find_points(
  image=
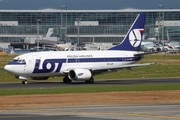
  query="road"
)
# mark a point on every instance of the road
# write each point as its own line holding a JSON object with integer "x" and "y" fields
{"x": 118, "y": 112}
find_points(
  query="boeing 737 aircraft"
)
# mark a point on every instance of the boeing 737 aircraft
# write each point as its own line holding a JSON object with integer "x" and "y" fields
{"x": 81, "y": 65}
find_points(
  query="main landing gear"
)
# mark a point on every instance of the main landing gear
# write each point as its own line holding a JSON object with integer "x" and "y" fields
{"x": 66, "y": 79}
{"x": 91, "y": 80}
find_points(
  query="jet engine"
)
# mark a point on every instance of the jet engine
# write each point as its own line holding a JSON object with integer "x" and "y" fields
{"x": 79, "y": 74}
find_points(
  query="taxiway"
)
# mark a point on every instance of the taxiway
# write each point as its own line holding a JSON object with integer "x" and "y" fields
{"x": 58, "y": 84}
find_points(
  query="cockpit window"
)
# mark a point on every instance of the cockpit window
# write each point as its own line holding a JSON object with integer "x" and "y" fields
{"x": 15, "y": 60}
{"x": 19, "y": 60}
{"x": 23, "y": 60}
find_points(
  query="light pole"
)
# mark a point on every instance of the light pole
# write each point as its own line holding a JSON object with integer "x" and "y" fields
{"x": 162, "y": 22}
{"x": 158, "y": 30}
{"x": 63, "y": 28}
{"x": 78, "y": 20}
{"x": 38, "y": 21}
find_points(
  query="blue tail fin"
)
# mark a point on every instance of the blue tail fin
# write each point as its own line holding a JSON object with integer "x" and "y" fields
{"x": 133, "y": 39}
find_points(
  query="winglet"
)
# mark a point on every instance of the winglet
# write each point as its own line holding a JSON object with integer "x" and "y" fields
{"x": 133, "y": 39}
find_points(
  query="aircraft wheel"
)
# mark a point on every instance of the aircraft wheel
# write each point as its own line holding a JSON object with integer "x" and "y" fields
{"x": 24, "y": 82}
{"x": 91, "y": 80}
{"x": 67, "y": 80}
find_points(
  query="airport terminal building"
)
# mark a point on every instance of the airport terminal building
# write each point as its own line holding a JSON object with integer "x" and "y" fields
{"x": 25, "y": 27}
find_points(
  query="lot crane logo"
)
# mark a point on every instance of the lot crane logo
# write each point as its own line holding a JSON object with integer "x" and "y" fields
{"x": 135, "y": 37}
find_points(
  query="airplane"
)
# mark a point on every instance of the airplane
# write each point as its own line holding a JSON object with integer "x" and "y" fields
{"x": 48, "y": 37}
{"x": 81, "y": 65}
{"x": 63, "y": 47}
{"x": 149, "y": 46}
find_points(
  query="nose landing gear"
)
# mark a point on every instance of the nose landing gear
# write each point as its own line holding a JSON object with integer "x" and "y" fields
{"x": 24, "y": 82}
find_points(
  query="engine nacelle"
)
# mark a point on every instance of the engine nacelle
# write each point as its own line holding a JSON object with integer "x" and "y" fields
{"x": 79, "y": 74}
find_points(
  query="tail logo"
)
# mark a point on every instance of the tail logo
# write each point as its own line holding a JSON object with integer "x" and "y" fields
{"x": 135, "y": 37}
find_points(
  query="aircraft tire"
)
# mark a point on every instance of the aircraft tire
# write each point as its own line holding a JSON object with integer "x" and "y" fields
{"x": 67, "y": 80}
{"x": 91, "y": 80}
{"x": 24, "y": 82}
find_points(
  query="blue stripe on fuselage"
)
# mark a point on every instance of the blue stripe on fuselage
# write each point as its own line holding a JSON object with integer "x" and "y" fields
{"x": 72, "y": 60}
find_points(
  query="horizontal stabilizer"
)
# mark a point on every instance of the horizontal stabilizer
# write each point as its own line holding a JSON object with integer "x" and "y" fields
{"x": 144, "y": 53}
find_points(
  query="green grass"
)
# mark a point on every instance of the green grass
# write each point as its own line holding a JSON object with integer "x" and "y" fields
{"x": 91, "y": 89}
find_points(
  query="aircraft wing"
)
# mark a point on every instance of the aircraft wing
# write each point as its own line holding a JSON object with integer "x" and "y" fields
{"x": 114, "y": 68}
{"x": 108, "y": 68}
{"x": 120, "y": 67}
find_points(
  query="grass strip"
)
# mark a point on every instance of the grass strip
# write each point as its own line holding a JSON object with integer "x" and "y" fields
{"x": 91, "y": 89}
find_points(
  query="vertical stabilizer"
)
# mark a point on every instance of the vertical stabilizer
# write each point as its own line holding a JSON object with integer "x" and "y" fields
{"x": 50, "y": 32}
{"x": 133, "y": 39}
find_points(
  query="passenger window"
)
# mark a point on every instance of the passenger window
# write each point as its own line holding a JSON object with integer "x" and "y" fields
{"x": 21, "y": 60}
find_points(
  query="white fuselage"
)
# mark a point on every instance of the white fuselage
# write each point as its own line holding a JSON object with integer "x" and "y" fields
{"x": 56, "y": 63}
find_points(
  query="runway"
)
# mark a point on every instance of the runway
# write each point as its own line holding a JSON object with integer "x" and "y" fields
{"x": 93, "y": 112}
{"x": 118, "y": 112}
{"x": 58, "y": 84}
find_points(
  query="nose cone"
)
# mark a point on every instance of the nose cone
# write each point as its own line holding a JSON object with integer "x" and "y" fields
{"x": 9, "y": 68}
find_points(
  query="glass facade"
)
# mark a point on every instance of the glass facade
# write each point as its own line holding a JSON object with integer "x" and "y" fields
{"x": 111, "y": 25}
